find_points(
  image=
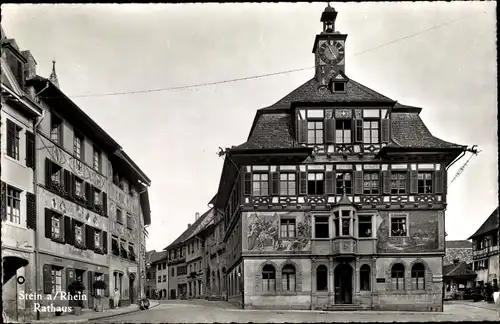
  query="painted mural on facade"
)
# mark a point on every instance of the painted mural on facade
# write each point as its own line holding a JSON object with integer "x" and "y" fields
{"x": 422, "y": 235}
{"x": 65, "y": 207}
{"x": 263, "y": 232}
{"x": 80, "y": 169}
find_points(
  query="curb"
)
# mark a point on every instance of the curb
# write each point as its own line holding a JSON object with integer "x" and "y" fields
{"x": 115, "y": 315}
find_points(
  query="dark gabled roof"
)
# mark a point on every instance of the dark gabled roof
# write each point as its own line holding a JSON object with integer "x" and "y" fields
{"x": 187, "y": 233}
{"x": 158, "y": 256}
{"x": 271, "y": 131}
{"x": 309, "y": 93}
{"x": 409, "y": 131}
{"x": 489, "y": 225}
{"x": 460, "y": 269}
{"x": 459, "y": 244}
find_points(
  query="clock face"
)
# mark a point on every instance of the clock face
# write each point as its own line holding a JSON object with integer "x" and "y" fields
{"x": 331, "y": 52}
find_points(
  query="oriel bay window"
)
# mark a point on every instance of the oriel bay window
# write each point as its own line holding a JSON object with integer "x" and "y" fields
{"x": 342, "y": 221}
{"x": 316, "y": 183}
{"x": 321, "y": 227}
{"x": 287, "y": 228}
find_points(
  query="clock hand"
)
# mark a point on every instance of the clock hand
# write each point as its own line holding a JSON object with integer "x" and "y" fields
{"x": 334, "y": 56}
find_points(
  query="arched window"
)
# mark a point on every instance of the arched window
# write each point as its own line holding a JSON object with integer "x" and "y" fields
{"x": 321, "y": 278}
{"x": 288, "y": 278}
{"x": 418, "y": 277}
{"x": 364, "y": 277}
{"x": 268, "y": 278}
{"x": 398, "y": 276}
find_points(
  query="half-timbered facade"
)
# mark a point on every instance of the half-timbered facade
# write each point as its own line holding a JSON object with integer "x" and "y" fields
{"x": 337, "y": 198}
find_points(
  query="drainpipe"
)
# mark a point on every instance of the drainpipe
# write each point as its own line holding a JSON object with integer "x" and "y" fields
{"x": 35, "y": 192}
{"x": 139, "y": 254}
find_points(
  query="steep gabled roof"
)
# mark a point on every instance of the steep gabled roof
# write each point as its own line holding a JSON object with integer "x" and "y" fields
{"x": 409, "y": 131}
{"x": 189, "y": 231}
{"x": 158, "y": 256}
{"x": 460, "y": 244}
{"x": 460, "y": 269}
{"x": 489, "y": 225}
{"x": 309, "y": 93}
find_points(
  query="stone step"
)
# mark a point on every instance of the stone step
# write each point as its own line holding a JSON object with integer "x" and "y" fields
{"x": 342, "y": 307}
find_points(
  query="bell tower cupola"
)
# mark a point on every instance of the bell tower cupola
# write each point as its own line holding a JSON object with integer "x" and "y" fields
{"x": 329, "y": 50}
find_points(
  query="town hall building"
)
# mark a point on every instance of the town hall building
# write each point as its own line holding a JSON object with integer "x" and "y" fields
{"x": 337, "y": 199}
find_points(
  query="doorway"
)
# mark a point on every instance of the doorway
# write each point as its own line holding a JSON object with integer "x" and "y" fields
{"x": 79, "y": 276}
{"x": 131, "y": 288}
{"x": 172, "y": 293}
{"x": 343, "y": 284}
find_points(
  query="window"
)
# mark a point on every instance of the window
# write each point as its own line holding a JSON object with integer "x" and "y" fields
{"x": 114, "y": 246}
{"x": 339, "y": 87}
{"x": 123, "y": 249}
{"x": 418, "y": 277}
{"x": 13, "y": 135}
{"x": 79, "y": 188}
{"x": 343, "y": 131}
{"x": 13, "y": 205}
{"x": 315, "y": 183}
{"x": 315, "y": 132}
{"x": 97, "y": 277}
{"x": 182, "y": 270}
{"x": 260, "y": 183}
{"x": 129, "y": 220}
{"x": 288, "y": 278}
{"x": 364, "y": 277}
{"x": 131, "y": 251}
{"x": 398, "y": 183}
{"x": 164, "y": 278}
{"x": 365, "y": 226}
{"x": 287, "y": 184}
{"x": 97, "y": 239}
{"x": 78, "y": 146}
{"x": 173, "y": 272}
{"x": 344, "y": 182}
{"x": 424, "y": 182}
{"x": 97, "y": 159}
{"x": 79, "y": 234}
{"x": 321, "y": 227}
{"x": 159, "y": 267}
{"x": 287, "y": 228}
{"x": 371, "y": 132}
{"x": 56, "y": 175}
{"x": 97, "y": 197}
{"x": 119, "y": 216}
{"x": 371, "y": 183}
{"x": 398, "y": 277}
{"x": 398, "y": 226}
{"x": 321, "y": 278}
{"x": 56, "y": 225}
{"x": 56, "y": 129}
{"x": 159, "y": 278}
{"x": 268, "y": 278}
{"x": 346, "y": 222}
{"x": 56, "y": 279}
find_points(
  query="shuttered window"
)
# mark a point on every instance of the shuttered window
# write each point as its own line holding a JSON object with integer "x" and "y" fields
{"x": 371, "y": 132}
{"x": 13, "y": 134}
{"x": 31, "y": 211}
{"x": 371, "y": 183}
{"x": 344, "y": 182}
{"x": 97, "y": 159}
{"x": 260, "y": 184}
{"x": 287, "y": 184}
{"x": 30, "y": 150}
{"x": 13, "y": 205}
{"x": 56, "y": 129}
{"x": 343, "y": 131}
{"x": 56, "y": 279}
{"x": 425, "y": 182}
{"x": 315, "y": 132}
{"x": 399, "y": 182}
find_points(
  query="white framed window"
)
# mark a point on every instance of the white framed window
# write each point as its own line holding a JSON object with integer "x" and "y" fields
{"x": 56, "y": 279}
{"x": 13, "y": 205}
{"x": 97, "y": 239}
{"x": 79, "y": 233}
{"x": 56, "y": 225}
{"x": 399, "y": 225}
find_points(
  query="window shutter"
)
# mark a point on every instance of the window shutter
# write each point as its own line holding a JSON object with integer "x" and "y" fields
{"x": 413, "y": 181}
{"x": 47, "y": 279}
{"x": 90, "y": 281}
{"x": 247, "y": 190}
{"x": 72, "y": 186}
{"x": 67, "y": 183}
{"x": 89, "y": 231}
{"x": 303, "y": 183}
{"x": 106, "y": 280}
{"x": 302, "y": 131}
{"x": 70, "y": 276}
{"x": 90, "y": 198}
{"x": 330, "y": 182}
{"x": 68, "y": 230}
{"x": 48, "y": 173}
{"x": 31, "y": 211}
{"x": 3, "y": 200}
{"x": 275, "y": 183}
{"x": 386, "y": 182}
{"x": 385, "y": 125}
{"x": 48, "y": 223}
{"x": 329, "y": 132}
{"x": 30, "y": 150}
{"x": 438, "y": 181}
{"x": 105, "y": 204}
{"x": 88, "y": 192}
{"x": 358, "y": 130}
{"x": 358, "y": 182}
{"x": 105, "y": 242}
{"x": 11, "y": 134}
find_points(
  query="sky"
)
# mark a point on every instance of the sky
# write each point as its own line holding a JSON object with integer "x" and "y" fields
{"x": 440, "y": 56}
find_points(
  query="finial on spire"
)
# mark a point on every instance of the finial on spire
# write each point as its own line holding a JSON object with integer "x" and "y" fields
{"x": 53, "y": 75}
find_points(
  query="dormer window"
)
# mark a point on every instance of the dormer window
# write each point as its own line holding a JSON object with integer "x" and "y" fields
{"x": 339, "y": 86}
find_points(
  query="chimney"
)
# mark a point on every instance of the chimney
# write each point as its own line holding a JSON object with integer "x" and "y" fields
{"x": 189, "y": 225}
{"x": 196, "y": 216}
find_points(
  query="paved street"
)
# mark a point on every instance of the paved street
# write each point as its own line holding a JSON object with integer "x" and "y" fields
{"x": 201, "y": 311}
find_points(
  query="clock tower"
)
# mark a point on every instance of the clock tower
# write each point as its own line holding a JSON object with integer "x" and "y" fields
{"x": 329, "y": 50}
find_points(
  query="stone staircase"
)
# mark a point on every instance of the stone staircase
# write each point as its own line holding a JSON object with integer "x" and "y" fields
{"x": 342, "y": 308}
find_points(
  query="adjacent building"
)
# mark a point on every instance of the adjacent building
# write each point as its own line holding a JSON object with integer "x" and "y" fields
{"x": 485, "y": 252}
{"x": 159, "y": 264}
{"x": 19, "y": 115}
{"x": 337, "y": 199}
{"x": 77, "y": 203}
{"x": 458, "y": 250}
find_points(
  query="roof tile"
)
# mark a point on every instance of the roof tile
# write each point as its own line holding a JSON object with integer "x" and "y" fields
{"x": 459, "y": 269}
